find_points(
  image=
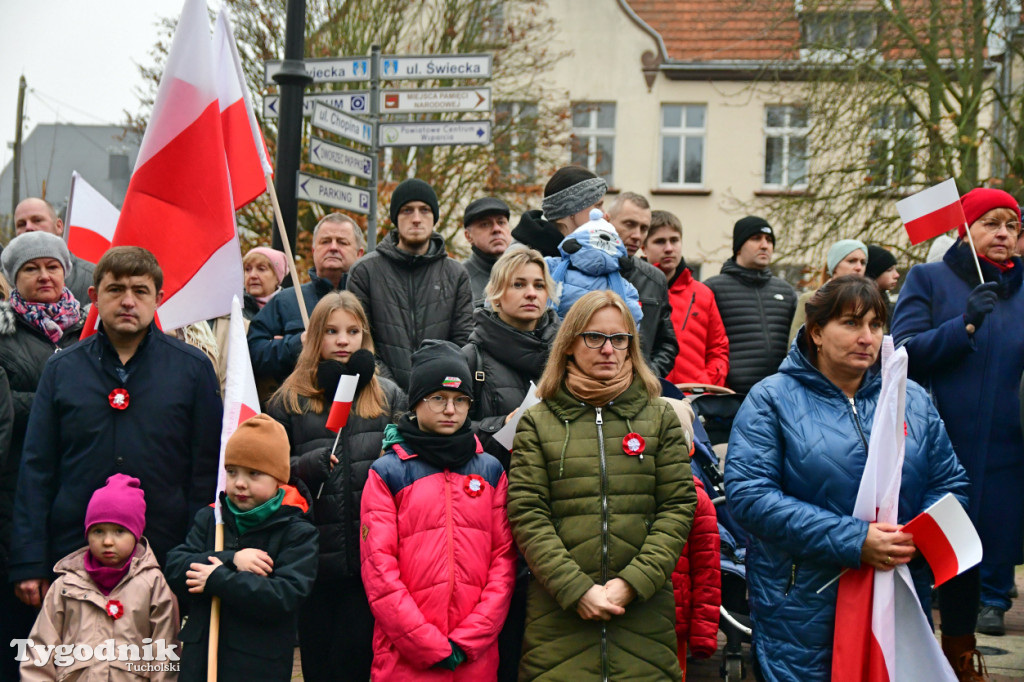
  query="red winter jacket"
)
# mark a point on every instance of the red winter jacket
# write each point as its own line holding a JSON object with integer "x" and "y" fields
{"x": 703, "y": 346}
{"x": 697, "y": 583}
{"x": 438, "y": 563}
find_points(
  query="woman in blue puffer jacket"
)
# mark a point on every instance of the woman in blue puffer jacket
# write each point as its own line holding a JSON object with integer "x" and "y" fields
{"x": 796, "y": 456}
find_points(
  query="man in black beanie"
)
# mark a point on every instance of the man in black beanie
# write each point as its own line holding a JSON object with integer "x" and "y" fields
{"x": 409, "y": 287}
{"x": 756, "y": 307}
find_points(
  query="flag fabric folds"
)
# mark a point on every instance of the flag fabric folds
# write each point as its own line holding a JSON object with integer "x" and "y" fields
{"x": 947, "y": 538}
{"x": 91, "y": 220}
{"x": 342, "y": 405}
{"x": 931, "y": 212}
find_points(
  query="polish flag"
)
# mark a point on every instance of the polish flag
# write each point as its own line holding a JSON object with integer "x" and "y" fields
{"x": 947, "y": 538}
{"x": 244, "y": 146}
{"x": 91, "y": 220}
{"x": 342, "y": 404}
{"x": 931, "y": 212}
{"x": 881, "y": 632}
{"x": 178, "y": 203}
{"x": 240, "y": 398}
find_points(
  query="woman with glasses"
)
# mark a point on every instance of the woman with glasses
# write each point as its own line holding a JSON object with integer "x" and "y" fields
{"x": 437, "y": 555}
{"x": 965, "y": 341}
{"x": 601, "y": 500}
{"x": 335, "y": 623}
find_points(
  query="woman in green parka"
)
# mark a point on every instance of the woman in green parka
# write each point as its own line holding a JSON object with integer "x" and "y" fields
{"x": 600, "y": 500}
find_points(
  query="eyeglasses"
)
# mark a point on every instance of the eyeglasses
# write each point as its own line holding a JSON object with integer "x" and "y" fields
{"x": 597, "y": 340}
{"x": 438, "y": 403}
{"x": 993, "y": 226}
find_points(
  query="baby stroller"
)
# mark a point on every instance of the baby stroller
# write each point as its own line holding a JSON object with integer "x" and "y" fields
{"x": 715, "y": 412}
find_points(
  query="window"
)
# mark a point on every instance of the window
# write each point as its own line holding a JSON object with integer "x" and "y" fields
{"x": 891, "y": 149}
{"x": 683, "y": 127}
{"x": 785, "y": 146}
{"x": 839, "y": 30}
{"x": 515, "y": 142}
{"x": 593, "y": 138}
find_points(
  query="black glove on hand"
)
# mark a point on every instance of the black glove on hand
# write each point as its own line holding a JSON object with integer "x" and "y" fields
{"x": 980, "y": 303}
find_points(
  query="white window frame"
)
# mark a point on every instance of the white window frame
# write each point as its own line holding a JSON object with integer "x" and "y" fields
{"x": 515, "y": 111}
{"x": 683, "y": 132}
{"x": 891, "y": 134}
{"x": 591, "y": 133}
{"x": 787, "y": 132}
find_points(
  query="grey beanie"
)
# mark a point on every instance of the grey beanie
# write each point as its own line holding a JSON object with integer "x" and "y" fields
{"x": 574, "y": 198}
{"x": 840, "y": 250}
{"x": 31, "y": 245}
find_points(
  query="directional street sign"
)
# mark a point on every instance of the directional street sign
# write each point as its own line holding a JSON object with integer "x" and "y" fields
{"x": 428, "y": 133}
{"x": 336, "y": 157}
{"x": 355, "y": 101}
{"x": 425, "y": 101}
{"x": 340, "y": 123}
{"x": 418, "y": 67}
{"x": 328, "y": 70}
{"x": 331, "y": 193}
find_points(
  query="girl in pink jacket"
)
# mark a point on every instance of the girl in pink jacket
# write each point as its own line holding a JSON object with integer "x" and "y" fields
{"x": 436, "y": 550}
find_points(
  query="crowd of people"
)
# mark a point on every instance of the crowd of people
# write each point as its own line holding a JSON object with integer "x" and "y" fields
{"x": 414, "y": 543}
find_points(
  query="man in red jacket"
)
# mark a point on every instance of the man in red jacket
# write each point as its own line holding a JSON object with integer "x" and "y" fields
{"x": 703, "y": 346}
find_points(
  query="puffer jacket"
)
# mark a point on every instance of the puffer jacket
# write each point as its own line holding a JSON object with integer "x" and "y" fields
{"x": 697, "y": 583}
{"x": 757, "y": 309}
{"x": 981, "y": 372}
{"x": 703, "y": 345}
{"x": 336, "y": 509}
{"x": 409, "y": 298}
{"x": 24, "y": 349}
{"x": 504, "y": 360}
{"x": 583, "y": 512}
{"x": 75, "y": 611}
{"x": 796, "y": 457}
{"x": 478, "y": 267}
{"x": 438, "y": 564}
{"x": 657, "y": 337}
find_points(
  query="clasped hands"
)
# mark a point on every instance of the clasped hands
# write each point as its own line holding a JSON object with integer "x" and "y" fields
{"x": 601, "y": 602}
{"x": 887, "y": 546}
{"x": 249, "y": 559}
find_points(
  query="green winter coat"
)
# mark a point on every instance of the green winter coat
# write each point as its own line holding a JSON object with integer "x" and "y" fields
{"x": 584, "y": 512}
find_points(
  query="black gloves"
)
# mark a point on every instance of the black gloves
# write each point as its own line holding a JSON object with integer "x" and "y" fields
{"x": 980, "y": 302}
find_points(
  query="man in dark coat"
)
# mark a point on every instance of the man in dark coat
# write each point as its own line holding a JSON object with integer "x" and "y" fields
{"x": 487, "y": 231}
{"x": 275, "y": 334}
{"x": 631, "y": 215}
{"x": 129, "y": 399}
{"x": 31, "y": 215}
{"x": 757, "y": 307}
{"x": 409, "y": 287}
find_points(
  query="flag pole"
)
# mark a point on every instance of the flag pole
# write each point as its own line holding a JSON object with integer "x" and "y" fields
{"x": 333, "y": 448}
{"x": 977, "y": 264}
{"x": 211, "y": 660}
{"x": 287, "y": 250}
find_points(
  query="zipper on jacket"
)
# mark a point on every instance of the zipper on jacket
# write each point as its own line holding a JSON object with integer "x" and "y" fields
{"x": 856, "y": 421}
{"x": 693, "y": 297}
{"x": 449, "y": 534}
{"x": 792, "y": 580}
{"x": 599, "y": 422}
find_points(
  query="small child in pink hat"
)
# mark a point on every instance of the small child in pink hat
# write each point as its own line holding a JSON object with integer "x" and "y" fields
{"x": 108, "y": 595}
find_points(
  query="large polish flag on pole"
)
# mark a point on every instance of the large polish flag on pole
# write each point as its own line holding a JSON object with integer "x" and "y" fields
{"x": 244, "y": 146}
{"x": 881, "y": 632}
{"x": 91, "y": 220}
{"x": 931, "y": 212}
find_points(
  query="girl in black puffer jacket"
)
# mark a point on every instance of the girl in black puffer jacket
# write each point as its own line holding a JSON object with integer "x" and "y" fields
{"x": 335, "y": 624}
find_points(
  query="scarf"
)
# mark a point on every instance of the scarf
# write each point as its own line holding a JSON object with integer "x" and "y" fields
{"x": 440, "y": 452}
{"x": 597, "y": 392}
{"x": 247, "y": 520}
{"x": 1002, "y": 267}
{"x": 50, "y": 318}
{"x": 107, "y": 577}
{"x": 262, "y": 300}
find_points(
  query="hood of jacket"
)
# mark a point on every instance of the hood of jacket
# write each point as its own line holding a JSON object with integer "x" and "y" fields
{"x": 799, "y": 366}
{"x": 525, "y": 352}
{"x": 388, "y": 248}
{"x": 537, "y": 233}
{"x": 749, "y": 276}
{"x": 74, "y": 564}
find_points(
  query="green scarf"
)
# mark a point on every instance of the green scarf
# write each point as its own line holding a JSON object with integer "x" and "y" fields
{"x": 248, "y": 520}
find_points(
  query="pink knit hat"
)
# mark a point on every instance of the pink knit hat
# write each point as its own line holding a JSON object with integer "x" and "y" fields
{"x": 277, "y": 259}
{"x": 120, "y": 501}
{"x": 980, "y": 201}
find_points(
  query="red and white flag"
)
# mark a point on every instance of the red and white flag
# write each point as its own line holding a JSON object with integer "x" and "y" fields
{"x": 931, "y": 212}
{"x": 342, "y": 404}
{"x": 947, "y": 538}
{"x": 240, "y": 398}
{"x": 244, "y": 146}
{"x": 881, "y": 633}
{"x": 91, "y": 220}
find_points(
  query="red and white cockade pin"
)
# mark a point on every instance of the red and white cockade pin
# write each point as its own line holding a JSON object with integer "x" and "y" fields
{"x": 118, "y": 399}
{"x": 114, "y": 609}
{"x": 474, "y": 485}
{"x": 633, "y": 444}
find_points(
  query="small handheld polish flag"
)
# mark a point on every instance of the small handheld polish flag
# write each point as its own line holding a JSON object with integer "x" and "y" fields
{"x": 947, "y": 538}
{"x": 931, "y": 212}
{"x": 342, "y": 405}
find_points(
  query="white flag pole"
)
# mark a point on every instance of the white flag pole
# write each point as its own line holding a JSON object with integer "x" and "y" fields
{"x": 977, "y": 264}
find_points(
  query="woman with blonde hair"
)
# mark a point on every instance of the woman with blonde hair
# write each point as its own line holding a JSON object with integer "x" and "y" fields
{"x": 335, "y": 624}
{"x": 601, "y": 500}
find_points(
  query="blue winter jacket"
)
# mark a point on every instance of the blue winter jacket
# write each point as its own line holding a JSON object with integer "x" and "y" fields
{"x": 796, "y": 457}
{"x": 974, "y": 381}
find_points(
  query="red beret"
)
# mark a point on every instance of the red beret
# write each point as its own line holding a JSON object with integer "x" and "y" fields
{"x": 980, "y": 201}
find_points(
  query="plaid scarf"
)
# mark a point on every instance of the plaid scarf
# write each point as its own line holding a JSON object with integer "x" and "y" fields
{"x": 51, "y": 318}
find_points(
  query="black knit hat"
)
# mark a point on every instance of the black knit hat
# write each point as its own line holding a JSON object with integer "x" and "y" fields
{"x": 746, "y": 228}
{"x": 412, "y": 189}
{"x": 879, "y": 260}
{"x": 437, "y": 366}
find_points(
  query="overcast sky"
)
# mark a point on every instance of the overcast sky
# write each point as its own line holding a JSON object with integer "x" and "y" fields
{"x": 79, "y": 58}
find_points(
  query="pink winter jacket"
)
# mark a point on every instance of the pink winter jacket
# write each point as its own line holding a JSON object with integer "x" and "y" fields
{"x": 438, "y": 563}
